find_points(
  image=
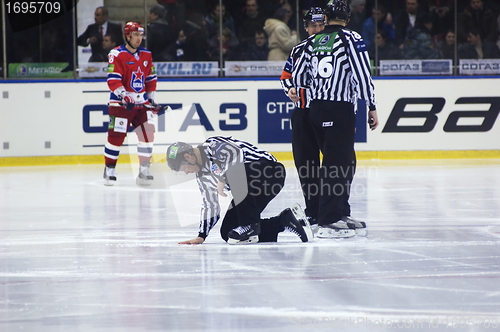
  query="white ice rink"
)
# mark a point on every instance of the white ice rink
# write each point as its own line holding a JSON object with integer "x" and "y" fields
{"x": 78, "y": 256}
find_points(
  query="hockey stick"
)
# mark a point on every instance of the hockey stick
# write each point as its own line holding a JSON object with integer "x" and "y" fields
{"x": 148, "y": 106}
{"x": 162, "y": 108}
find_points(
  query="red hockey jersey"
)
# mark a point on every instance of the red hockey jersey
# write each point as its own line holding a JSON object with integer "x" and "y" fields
{"x": 134, "y": 72}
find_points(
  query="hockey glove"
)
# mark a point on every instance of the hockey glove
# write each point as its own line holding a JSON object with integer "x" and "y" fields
{"x": 156, "y": 107}
{"x": 129, "y": 103}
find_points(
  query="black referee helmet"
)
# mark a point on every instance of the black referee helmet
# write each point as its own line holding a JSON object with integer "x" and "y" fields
{"x": 175, "y": 155}
{"x": 315, "y": 14}
{"x": 338, "y": 9}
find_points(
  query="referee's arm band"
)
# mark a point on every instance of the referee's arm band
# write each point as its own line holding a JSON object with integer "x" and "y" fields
{"x": 371, "y": 108}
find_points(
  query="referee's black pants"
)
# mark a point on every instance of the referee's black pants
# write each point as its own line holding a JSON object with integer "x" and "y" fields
{"x": 334, "y": 125}
{"x": 264, "y": 180}
{"x": 306, "y": 157}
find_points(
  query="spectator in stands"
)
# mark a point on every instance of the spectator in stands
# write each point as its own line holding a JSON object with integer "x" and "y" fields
{"x": 386, "y": 50}
{"x": 408, "y": 18}
{"x": 477, "y": 16}
{"x": 108, "y": 43}
{"x": 379, "y": 16}
{"x": 250, "y": 21}
{"x": 176, "y": 12}
{"x": 292, "y": 21}
{"x": 281, "y": 38}
{"x": 478, "y": 49}
{"x": 196, "y": 48}
{"x": 229, "y": 44}
{"x": 443, "y": 12}
{"x": 358, "y": 16}
{"x": 213, "y": 20}
{"x": 418, "y": 43}
{"x": 160, "y": 35}
{"x": 94, "y": 34}
{"x": 258, "y": 50}
{"x": 446, "y": 47}
{"x": 176, "y": 51}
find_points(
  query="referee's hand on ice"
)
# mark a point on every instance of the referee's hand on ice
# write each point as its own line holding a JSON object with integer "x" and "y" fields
{"x": 196, "y": 240}
{"x": 372, "y": 119}
{"x": 220, "y": 188}
{"x": 292, "y": 94}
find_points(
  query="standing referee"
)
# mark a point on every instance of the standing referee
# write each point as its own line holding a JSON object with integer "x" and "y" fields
{"x": 335, "y": 66}
{"x": 304, "y": 145}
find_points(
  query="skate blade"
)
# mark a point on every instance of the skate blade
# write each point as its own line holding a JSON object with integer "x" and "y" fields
{"x": 328, "y": 233}
{"x": 361, "y": 231}
{"x": 308, "y": 230}
{"x": 315, "y": 229}
{"x": 251, "y": 239}
{"x": 301, "y": 216}
{"x": 143, "y": 182}
{"x": 109, "y": 183}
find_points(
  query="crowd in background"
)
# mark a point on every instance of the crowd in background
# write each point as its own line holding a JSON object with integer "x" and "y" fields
{"x": 258, "y": 30}
{"x": 402, "y": 29}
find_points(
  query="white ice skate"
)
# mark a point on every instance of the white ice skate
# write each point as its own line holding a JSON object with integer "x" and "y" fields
{"x": 359, "y": 226}
{"x": 145, "y": 178}
{"x": 338, "y": 229}
{"x": 109, "y": 175}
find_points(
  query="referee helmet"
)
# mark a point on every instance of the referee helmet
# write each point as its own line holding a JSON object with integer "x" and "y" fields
{"x": 175, "y": 155}
{"x": 315, "y": 14}
{"x": 338, "y": 9}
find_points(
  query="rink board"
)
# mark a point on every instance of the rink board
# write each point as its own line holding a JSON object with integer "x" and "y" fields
{"x": 67, "y": 120}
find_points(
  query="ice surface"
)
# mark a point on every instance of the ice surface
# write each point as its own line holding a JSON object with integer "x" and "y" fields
{"x": 78, "y": 256}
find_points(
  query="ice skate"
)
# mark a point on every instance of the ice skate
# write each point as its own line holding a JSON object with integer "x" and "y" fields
{"x": 295, "y": 221}
{"x": 244, "y": 234}
{"x": 314, "y": 225}
{"x": 338, "y": 229}
{"x": 358, "y": 226}
{"x": 109, "y": 175}
{"x": 145, "y": 178}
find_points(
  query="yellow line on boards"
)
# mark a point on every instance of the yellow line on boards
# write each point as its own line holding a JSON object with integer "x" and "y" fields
{"x": 395, "y": 155}
{"x": 282, "y": 156}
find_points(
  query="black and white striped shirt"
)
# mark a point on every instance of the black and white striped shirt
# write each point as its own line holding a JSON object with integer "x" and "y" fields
{"x": 218, "y": 154}
{"x": 286, "y": 77}
{"x": 331, "y": 72}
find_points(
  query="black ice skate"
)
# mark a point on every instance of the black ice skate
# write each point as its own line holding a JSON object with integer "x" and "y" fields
{"x": 338, "y": 229}
{"x": 358, "y": 226}
{"x": 145, "y": 178}
{"x": 295, "y": 221}
{"x": 244, "y": 234}
{"x": 109, "y": 175}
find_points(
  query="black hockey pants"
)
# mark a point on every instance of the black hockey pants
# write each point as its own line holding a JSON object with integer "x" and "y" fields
{"x": 306, "y": 157}
{"x": 334, "y": 125}
{"x": 264, "y": 179}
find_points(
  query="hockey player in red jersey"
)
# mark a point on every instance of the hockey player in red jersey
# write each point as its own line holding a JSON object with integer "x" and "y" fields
{"x": 132, "y": 81}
